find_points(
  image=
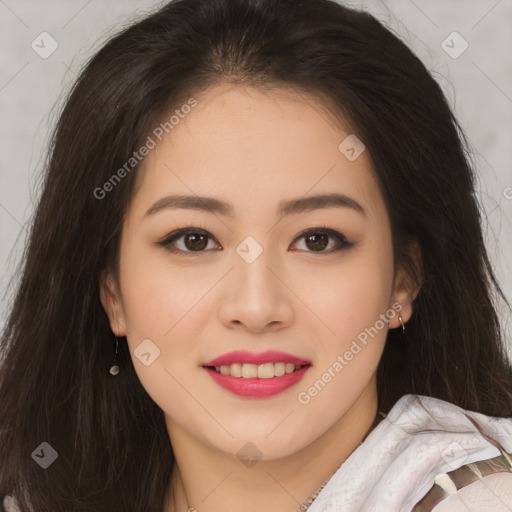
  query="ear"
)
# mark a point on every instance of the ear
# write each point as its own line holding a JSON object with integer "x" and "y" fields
{"x": 408, "y": 283}
{"x": 110, "y": 298}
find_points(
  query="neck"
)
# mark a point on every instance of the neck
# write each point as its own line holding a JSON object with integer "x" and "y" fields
{"x": 209, "y": 480}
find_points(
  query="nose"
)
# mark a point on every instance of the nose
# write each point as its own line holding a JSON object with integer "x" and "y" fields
{"x": 256, "y": 297}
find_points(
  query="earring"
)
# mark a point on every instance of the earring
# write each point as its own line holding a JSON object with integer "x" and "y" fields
{"x": 114, "y": 369}
{"x": 401, "y": 323}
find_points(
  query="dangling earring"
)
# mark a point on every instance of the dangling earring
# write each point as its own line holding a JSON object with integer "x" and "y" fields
{"x": 401, "y": 323}
{"x": 114, "y": 369}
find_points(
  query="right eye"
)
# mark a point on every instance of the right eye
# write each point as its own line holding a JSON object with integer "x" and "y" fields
{"x": 190, "y": 241}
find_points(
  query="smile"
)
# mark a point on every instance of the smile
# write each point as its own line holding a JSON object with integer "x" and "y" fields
{"x": 260, "y": 375}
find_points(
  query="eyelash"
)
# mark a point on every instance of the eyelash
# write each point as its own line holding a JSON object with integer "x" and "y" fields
{"x": 166, "y": 242}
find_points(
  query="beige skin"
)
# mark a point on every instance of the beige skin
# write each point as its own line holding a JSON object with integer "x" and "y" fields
{"x": 254, "y": 149}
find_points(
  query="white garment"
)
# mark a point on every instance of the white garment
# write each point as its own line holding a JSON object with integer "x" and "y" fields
{"x": 395, "y": 466}
{"x": 420, "y": 438}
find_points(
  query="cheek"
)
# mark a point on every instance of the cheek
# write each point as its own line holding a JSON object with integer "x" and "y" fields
{"x": 347, "y": 354}
{"x": 351, "y": 297}
{"x": 156, "y": 297}
{"x": 165, "y": 307}
{"x": 352, "y": 308}
{"x": 170, "y": 307}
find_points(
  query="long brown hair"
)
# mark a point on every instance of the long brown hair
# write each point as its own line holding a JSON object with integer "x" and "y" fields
{"x": 114, "y": 452}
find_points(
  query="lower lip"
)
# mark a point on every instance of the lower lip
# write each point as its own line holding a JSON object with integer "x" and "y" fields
{"x": 257, "y": 388}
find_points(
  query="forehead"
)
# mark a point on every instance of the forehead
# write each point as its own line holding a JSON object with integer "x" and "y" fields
{"x": 259, "y": 147}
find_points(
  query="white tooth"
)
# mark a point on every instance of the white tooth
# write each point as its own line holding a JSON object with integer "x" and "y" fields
{"x": 235, "y": 370}
{"x": 249, "y": 371}
{"x": 266, "y": 371}
{"x": 279, "y": 369}
{"x": 261, "y": 371}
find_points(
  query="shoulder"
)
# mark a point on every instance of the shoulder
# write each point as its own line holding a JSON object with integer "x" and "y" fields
{"x": 490, "y": 493}
{"x": 417, "y": 415}
{"x": 481, "y": 485}
{"x": 474, "y": 461}
{"x": 421, "y": 438}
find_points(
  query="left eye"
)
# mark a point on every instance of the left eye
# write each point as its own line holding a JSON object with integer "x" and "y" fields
{"x": 318, "y": 239}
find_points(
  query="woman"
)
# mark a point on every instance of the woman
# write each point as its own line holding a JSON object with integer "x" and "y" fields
{"x": 256, "y": 280}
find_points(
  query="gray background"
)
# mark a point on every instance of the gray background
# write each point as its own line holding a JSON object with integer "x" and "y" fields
{"x": 478, "y": 84}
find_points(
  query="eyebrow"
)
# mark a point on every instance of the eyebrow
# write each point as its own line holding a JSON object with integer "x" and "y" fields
{"x": 288, "y": 207}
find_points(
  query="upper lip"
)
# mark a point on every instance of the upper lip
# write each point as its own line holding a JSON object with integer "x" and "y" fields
{"x": 244, "y": 356}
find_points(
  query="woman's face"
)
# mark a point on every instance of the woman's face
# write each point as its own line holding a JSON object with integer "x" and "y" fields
{"x": 265, "y": 267}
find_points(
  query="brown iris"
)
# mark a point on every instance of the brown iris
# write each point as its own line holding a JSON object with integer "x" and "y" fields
{"x": 317, "y": 241}
{"x": 195, "y": 241}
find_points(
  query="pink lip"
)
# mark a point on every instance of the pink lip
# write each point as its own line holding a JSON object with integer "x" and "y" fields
{"x": 244, "y": 356}
{"x": 257, "y": 388}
